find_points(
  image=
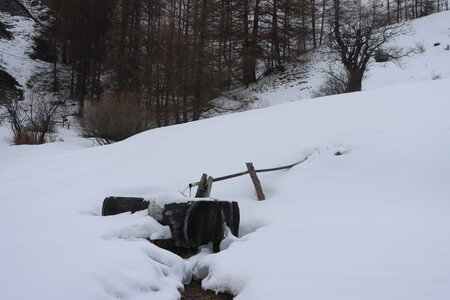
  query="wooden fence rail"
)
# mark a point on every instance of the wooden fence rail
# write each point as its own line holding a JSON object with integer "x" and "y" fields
{"x": 205, "y": 183}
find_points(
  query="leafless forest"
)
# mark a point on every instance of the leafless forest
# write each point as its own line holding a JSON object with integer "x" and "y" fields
{"x": 173, "y": 57}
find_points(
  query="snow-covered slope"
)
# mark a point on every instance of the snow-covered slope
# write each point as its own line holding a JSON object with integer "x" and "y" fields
{"x": 14, "y": 53}
{"x": 369, "y": 224}
{"x": 429, "y": 61}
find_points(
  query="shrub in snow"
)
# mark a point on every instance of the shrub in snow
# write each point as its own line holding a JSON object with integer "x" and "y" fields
{"x": 333, "y": 85}
{"x": 420, "y": 48}
{"x": 114, "y": 118}
{"x": 435, "y": 76}
{"x": 32, "y": 121}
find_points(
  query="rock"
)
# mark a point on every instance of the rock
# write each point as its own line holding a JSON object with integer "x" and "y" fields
{"x": 4, "y": 32}
{"x": 9, "y": 88}
{"x": 44, "y": 18}
{"x": 14, "y": 8}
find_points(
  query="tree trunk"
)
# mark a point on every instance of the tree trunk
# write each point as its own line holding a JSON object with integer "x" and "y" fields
{"x": 313, "y": 22}
{"x": 354, "y": 83}
{"x": 322, "y": 22}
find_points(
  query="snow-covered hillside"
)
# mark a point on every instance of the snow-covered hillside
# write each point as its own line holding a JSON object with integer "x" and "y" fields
{"x": 23, "y": 20}
{"x": 428, "y": 36}
{"x": 369, "y": 224}
{"x": 14, "y": 53}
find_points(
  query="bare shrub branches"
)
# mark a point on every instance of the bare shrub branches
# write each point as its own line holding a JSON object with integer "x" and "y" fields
{"x": 114, "y": 118}
{"x": 31, "y": 120}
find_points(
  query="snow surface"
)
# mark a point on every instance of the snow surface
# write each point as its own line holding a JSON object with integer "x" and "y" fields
{"x": 369, "y": 224}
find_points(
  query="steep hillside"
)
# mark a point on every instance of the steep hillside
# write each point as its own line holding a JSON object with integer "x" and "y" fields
{"x": 15, "y": 51}
{"x": 371, "y": 223}
{"x": 429, "y": 37}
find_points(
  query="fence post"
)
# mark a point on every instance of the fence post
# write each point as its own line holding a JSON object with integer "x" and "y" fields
{"x": 259, "y": 192}
{"x": 204, "y": 187}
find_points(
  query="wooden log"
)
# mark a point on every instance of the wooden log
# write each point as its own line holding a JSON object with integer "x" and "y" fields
{"x": 118, "y": 205}
{"x": 259, "y": 192}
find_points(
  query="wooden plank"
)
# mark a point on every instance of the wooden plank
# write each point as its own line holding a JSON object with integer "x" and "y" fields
{"x": 259, "y": 192}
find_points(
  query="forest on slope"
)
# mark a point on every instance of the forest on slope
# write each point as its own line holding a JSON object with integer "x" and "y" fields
{"x": 129, "y": 66}
{"x": 178, "y": 55}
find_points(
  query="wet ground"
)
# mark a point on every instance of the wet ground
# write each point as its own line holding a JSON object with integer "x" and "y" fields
{"x": 194, "y": 291}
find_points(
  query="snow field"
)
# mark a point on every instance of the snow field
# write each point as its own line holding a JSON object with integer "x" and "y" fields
{"x": 369, "y": 224}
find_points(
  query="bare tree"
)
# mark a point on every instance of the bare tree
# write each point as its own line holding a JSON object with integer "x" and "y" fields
{"x": 41, "y": 115}
{"x": 358, "y": 32}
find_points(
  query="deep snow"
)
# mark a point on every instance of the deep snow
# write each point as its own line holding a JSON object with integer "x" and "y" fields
{"x": 369, "y": 224}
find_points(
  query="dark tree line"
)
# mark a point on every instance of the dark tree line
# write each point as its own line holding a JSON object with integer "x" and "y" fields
{"x": 175, "y": 56}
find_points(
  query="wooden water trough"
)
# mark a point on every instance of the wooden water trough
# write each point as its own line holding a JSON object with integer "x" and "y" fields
{"x": 192, "y": 223}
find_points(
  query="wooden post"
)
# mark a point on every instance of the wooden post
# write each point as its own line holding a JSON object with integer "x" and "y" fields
{"x": 209, "y": 183}
{"x": 202, "y": 187}
{"x": 259, "y": 192}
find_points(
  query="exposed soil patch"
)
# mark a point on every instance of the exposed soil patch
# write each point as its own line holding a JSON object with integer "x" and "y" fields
{"x": 194, "y": 291}
{"x": 169, "y": 245}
